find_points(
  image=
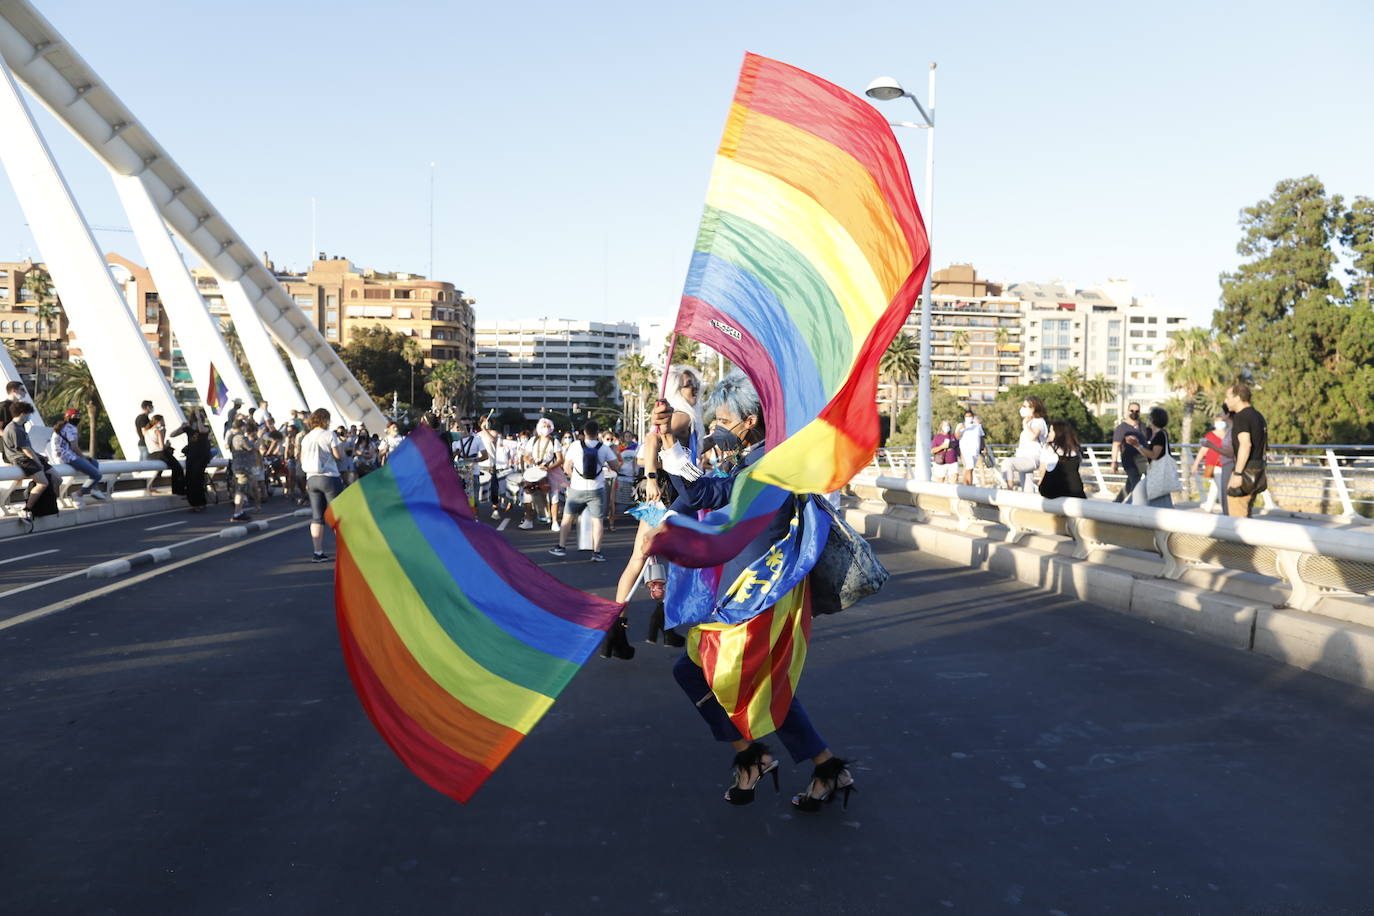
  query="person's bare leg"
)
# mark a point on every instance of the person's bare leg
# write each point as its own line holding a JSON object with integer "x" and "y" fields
{"x": 597, "y": 529}
{"x": 564, "y": 527}
{"x": 317, "y": 536}
{"x": 638, "y": 557}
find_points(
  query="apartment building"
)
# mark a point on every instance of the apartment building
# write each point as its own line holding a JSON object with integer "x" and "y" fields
{"x": 549, "y": 364}
{"x": 32, "y": 338}
{"x": 338, "y": 297}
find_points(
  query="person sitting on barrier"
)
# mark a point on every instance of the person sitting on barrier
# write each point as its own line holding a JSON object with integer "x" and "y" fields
{"x": 63, "y": 448}
{"x": 159, "y": 449}
{"x": 1016, "y": 470}
{"x": 14, "y": 393}
{"x": 1060, "y": 459}
{"x": 1156, "y": 447}
{"x": 17, "y": 450}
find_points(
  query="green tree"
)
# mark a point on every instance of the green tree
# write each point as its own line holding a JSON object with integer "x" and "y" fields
{"x": 1002, "y": 420}
{"x": 686, "y": 351}
{"x": 901, "y": 362}
{"x": 451, "y": 383}
{"x": 76, "y": 388}
{"x": 1098, "y": 390}
{"x": 376, "y": 357}
{"x": 1071, "y": 377}
{"x": 1357, "y": 235}
{"x": 637, "y": 380}
{"x": 1192, "y": 363}
{"x": 39, "y": 284}
{"x": 944, "y": 406}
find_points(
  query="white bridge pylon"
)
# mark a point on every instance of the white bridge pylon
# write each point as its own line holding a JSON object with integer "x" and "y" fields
{"x": 57, "y": 77}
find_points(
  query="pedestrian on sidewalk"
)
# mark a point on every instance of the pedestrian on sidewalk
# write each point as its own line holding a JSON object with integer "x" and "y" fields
{"x": 972, "y": 441}
{"x": 242, "y": 451}
{"x": 321, "y": 452}
{"x": 17, "y": 450}
{"x": 64, "y": 448}
{"x": 1156, "y": 447}
{"x": 584, "y": 461}
{"x": 1250, "y": 442}
{"x": 1217, "y": 460}
{"x": 141, "y": 421}
{"x": 1125, "y": 455}
{"x": 196, "y": 429}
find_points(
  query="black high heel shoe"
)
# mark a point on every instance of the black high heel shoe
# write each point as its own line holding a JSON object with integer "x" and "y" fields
{"x": 655, "y": 624}
{"x": 830, "y": 777}
{"x": 617, "y": 642}
{"x": 748, "y": 762}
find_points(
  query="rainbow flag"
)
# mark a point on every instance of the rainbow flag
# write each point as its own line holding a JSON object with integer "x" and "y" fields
{"x": 217, "y": 393}
{"x": 456, "y": 643}
{"x": 810, "y": 256}
{"x": 754, "y": 667}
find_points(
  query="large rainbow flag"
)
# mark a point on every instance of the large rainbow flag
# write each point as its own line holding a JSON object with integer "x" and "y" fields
{"x": 810, "y": 256}
{"x": 456, "y": 643}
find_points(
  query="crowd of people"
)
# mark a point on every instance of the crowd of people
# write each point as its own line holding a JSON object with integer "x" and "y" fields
{"x": 1048, "y": 455}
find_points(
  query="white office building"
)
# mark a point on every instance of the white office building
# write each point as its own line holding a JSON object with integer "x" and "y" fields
{"x": 549, "y": 364}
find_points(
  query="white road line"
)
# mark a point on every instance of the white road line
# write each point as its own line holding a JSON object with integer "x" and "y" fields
{"x": 168, "y": 525}
{"x": 28, "y": 556}
{"x": 134, "y": 580}
{"x": 504, "y": 523}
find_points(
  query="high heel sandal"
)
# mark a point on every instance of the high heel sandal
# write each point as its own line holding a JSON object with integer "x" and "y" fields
{"x": 831, "y": 777}
{"x": 747, "y": 762}
{"x": 617, "y": 642}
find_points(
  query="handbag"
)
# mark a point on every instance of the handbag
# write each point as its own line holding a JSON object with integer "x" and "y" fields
{"x": 847, "y": 570}
{"x": 1253, "y": 480}
{"x": 1161, "y": 478}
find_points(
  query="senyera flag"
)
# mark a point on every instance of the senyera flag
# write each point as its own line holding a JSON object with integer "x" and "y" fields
{"x": 810, "y": 256}
{"x": 456, "y": 643}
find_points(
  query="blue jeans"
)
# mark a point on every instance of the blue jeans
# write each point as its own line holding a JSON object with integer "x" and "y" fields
{"x": 796, "y": 732}
{"x": 89, "y": 468}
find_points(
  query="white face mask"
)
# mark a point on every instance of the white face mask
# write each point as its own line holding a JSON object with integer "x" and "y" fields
{"x": 1219, "y": 426}
{"x": 1025, "y": 411}
{"x": 969, "y": 421}
{"x": 944, "y": 428}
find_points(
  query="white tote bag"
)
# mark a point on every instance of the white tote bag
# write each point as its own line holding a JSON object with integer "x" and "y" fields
{"x": 1162, "y": 476}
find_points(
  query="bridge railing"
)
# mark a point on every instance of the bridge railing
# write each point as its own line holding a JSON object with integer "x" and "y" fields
{"x": 1338, "y": 475}
{"x": 129, "y": 474}
{"x": 1313, "y": 561}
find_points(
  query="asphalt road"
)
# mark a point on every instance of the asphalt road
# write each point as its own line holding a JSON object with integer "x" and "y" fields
{"x": 191, "y": 744}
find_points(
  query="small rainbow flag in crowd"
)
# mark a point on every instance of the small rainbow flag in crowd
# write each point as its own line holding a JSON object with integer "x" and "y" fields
{"x": 754, "y": 667}
{"x": 217, "y": 394}
{"x": 456, "y": 643}
{"x": 810, "y": 256}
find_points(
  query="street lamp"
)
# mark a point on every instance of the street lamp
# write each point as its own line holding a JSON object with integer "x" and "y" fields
{"x": 885, "y": 89}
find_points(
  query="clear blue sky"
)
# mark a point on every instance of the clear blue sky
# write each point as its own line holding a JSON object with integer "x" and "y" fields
{"x": 573, "y": 142}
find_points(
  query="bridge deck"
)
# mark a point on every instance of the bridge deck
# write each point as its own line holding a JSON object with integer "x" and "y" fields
{"x": 192, "y": 744}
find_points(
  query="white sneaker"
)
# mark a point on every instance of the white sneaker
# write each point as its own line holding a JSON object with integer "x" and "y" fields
{"x": 495, "y": 515}
{"x": 526, "y": 525}
{"x": 99, "y": 494}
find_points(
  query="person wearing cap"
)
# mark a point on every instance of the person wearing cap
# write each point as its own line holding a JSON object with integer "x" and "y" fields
{"x": 231, "y": 414}
{"x": 63, "y": 449}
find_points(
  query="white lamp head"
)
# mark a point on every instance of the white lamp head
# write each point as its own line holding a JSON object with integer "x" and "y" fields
{"x": 884, "y": 88}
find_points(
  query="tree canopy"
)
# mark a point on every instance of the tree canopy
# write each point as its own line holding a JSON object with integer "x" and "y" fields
{"x": 376, "y": 357}
{"x": 1002, "y": 420}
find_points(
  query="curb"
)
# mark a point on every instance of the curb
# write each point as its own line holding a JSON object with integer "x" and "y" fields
{"x": 114, "y": 568}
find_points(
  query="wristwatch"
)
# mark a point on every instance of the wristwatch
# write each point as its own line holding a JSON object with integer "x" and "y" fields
{"x": 652, "y": 475}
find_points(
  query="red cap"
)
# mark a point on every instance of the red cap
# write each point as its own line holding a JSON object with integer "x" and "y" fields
{"x": 71, "y": 412}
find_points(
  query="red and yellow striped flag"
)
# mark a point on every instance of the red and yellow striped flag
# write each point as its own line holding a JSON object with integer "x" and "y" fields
{"x": 754, "y": 667}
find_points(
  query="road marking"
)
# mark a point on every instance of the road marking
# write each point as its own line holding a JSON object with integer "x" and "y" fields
{"x": 504, "y": 523}
{"x": 72, "y": 602}
{"x": 28, "y": 556}
{"x": 85, "y": 526}
{"x": 168, "y": 525}
{"x": 81, "y": 572}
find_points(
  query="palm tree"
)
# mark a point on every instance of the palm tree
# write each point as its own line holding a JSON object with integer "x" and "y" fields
{"x": 1003, "y": 337}
{"x": 451, "y": 382}
{"x": 1098, "y": 390}
{"x": 414, "y": 354}
{"x": 1192, "y": 362}
{"x": 1071, "y": 377}
{"x": 39, "y": 284}
{"x": 636, "y": 377}
{"x": 76, "y": 388}
{"x": 901, "y": 362}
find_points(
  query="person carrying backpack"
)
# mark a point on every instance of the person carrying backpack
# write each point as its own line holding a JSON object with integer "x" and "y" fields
{"x": 583, "y": 462}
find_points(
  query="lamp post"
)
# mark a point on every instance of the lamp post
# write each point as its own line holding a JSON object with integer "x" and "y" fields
{"x": 884, "y": 89}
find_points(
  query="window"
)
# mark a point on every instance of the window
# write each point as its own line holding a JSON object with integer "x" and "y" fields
{"x": 305, "y": 302}
{"x": 353, "y": 294}
{"x": 376, "y": 294}
{"x": 331, "y": 332}
{"x": 4, "y": 292}
{"x": 1137, "y": 333}
{"x": 403, "y": 313}
{"x": 331, "y": 317}
{"x": 400, "y": 294}
{"x": 4, "y": 326}
{"x": 1114, "y": 341}
{"x": 331, "y": 302}
{"x": 1136, "y": 319}
{"x": 28, "y": 325}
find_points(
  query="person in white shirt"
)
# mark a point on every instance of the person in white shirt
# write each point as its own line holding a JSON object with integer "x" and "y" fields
{"x": 321, "y": 454}
{"x": 1035, "y": 432}
{"x": 583, "y": 462}
{"x": 970, "y": 435}
{"x": 542, "y": 454}
{"x": 262, "y": 416}
{"x": 391, "y": 441}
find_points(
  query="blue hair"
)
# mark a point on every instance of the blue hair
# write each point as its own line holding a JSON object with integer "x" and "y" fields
{"x": 736, "y": 393}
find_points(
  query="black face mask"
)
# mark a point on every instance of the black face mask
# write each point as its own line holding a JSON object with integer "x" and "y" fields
{"x": 724, "y": 439}
{"x": 1135, "y": 415}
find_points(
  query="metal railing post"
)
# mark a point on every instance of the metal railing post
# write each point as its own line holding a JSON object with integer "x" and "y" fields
{"x": 1342, "y": 491}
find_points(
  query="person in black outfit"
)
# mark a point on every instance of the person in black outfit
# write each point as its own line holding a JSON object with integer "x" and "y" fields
{"x": 14, "y": 393}
{"x": 1127, "y": 454}
{"x": 1060, "y": 459}
{"x": 1249, "y": 443}
{"x": 197, "y": 452}
{"x": 141, "y": 421}
{"x": 1155, "y": 447}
